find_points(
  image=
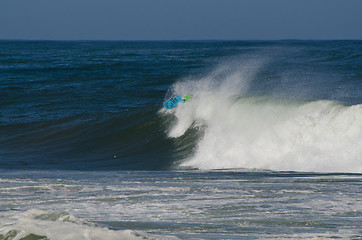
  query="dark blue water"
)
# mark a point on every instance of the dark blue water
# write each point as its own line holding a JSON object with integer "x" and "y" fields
{"x": 96, "y": 105}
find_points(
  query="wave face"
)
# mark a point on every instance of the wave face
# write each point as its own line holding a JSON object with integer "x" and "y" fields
{"x": 286, "y": 105}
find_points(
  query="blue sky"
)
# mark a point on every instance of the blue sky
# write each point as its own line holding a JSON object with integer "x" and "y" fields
{"x": 180, "y": 19}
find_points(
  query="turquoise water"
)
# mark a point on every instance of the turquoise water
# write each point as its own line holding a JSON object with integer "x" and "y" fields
{"x": 269, "y": 146}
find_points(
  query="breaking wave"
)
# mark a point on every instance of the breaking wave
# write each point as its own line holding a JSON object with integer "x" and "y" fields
{"x": 239, "y": 130}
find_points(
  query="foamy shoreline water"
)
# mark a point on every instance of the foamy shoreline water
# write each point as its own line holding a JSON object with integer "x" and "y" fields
{"x": 179, "y": 205}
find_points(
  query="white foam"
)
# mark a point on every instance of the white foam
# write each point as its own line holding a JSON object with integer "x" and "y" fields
{"x": 266, "y": 133}
{"x": 57, "y": 226}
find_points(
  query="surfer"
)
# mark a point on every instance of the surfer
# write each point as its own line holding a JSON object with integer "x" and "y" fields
{"x": 173, "y": 102}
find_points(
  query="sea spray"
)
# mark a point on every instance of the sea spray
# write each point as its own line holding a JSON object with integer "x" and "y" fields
{"x": 229, "y": 79}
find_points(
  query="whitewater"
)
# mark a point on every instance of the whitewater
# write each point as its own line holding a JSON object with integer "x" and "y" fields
{"x": 265, "y": 132}
{"x": 134, "y": 205}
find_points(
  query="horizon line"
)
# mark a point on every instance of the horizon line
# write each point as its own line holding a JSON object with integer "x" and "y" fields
{"x": 173, "y": 40}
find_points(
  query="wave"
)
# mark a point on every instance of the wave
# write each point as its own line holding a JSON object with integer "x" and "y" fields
{"x": 236, "y": 130}
{"x": 38, "y": 224}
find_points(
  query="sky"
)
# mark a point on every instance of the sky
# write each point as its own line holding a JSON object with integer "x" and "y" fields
{"x": 180, "y": 19}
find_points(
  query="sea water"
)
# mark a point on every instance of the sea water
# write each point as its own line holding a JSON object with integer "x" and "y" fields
{"x": 269, "y": 146}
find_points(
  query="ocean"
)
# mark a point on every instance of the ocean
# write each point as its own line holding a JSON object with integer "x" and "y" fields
{"x": 269, "y": 146}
